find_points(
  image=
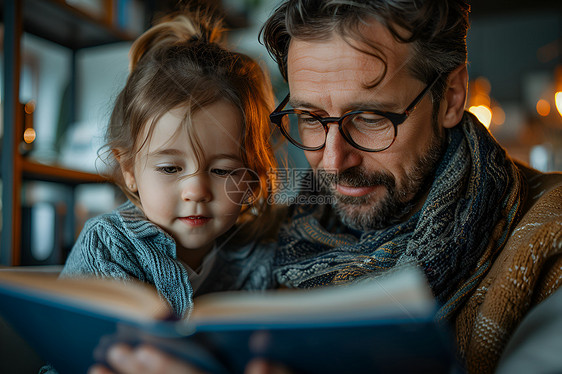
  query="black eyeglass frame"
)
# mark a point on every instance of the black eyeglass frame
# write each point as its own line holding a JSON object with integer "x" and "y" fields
{"x": 396, "y": 118}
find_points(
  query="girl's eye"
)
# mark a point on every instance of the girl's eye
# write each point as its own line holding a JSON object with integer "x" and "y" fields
{"x": 169, "y": 169}
{"x": 222, "y": 172}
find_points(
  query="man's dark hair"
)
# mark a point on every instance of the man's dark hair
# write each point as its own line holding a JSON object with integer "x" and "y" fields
{"x": 436, "y": 28}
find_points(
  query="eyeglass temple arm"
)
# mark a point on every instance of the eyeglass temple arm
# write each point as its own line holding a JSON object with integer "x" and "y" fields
{"x": 421, "y": 95}
{"x": 282, "y": 103}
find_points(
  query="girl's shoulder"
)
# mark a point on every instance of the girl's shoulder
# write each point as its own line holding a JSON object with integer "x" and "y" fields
{"x": 113, "y": 243}
{"x": 124, "y": 229}
{"x": 125, "y": 220}
{"x": 103, "y": 230}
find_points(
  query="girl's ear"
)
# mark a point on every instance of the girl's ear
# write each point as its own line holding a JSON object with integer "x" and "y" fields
{"x": 127, "y": 171}
{"x": 455, "y": 96}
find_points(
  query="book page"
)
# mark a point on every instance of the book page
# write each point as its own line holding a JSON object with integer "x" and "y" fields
{"x": 129, "y": 300}
{"x": 400, "y": 294}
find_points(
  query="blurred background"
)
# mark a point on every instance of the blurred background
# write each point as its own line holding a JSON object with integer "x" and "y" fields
{"x": 64, "y": 62}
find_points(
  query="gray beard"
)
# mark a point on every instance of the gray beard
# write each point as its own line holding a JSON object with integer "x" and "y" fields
{"x": 395, "y": 206}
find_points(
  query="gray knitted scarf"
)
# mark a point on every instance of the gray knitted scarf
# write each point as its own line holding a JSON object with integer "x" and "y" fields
{"x": 473, "y": 204}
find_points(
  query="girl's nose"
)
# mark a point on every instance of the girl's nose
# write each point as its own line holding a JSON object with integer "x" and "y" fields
{"x": 196, "y": 188}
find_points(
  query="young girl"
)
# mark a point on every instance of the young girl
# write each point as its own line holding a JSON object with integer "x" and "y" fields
{"x": 189, "y": 146}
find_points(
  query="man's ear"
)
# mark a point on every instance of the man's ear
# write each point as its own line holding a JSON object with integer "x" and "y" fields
{"x": 455, "y": 96}
{"x": 127, "y": 170}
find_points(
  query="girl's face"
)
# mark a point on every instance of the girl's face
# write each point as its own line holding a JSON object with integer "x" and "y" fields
{"x": 193, "y": 208}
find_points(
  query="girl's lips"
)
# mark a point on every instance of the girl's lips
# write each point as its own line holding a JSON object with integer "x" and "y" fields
{"x": 195, "y": 220}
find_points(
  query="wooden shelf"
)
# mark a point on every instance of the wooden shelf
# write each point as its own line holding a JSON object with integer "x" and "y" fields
{"x": 73, "y": 28}
{"x": 50, "y": 173}
{"x": 58, "y": 22}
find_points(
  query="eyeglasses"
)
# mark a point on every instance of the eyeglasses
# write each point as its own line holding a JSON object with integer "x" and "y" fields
{"x": 367, "y": 130}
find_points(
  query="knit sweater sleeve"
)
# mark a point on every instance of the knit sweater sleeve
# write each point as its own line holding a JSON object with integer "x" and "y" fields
{"x": 101, "y": 250}
{"x": 124, "y": 245}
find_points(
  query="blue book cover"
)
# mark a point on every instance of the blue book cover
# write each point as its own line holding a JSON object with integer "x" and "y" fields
{"x": 382, "y": 326}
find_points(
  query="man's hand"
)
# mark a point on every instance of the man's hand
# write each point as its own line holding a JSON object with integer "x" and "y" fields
{"x": 149, "y": 360}
{"x": 144, "y": 359}
{"x": 261, "y": 366}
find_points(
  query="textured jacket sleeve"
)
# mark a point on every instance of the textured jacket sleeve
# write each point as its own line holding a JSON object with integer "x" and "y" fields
{"x": 526, "y": 272}
{"x": 536, "y": 344}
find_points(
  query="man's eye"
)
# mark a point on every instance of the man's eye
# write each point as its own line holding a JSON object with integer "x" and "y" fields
{"x": 304, "y": 119}
{"x": 366, "y": 118}
{"x": 169, "y": 169}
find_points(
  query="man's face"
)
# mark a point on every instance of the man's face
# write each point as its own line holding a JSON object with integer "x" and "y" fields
{"x": 330, "y": 78}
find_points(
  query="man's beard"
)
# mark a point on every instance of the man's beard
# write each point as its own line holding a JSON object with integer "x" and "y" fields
{"x": 360, "y": 212}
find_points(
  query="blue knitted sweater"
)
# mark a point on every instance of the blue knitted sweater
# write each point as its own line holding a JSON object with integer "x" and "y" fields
{"x": 124, "y": 244}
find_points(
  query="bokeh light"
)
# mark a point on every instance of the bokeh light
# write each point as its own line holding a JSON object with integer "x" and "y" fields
{"x": 483, "y": 113}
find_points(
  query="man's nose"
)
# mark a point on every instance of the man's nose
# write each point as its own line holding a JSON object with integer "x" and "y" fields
{"x": 196, "y": 188}
{"x": 338, "y": 154}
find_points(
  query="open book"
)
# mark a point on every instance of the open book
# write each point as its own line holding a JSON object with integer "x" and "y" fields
{"x": 377, "y": 326}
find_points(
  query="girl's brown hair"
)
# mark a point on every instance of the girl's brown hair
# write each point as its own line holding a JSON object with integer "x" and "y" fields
{"x": 181, "y": 61}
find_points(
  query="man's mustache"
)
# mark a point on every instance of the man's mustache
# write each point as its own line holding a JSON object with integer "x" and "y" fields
{"x": 356, "y": 177}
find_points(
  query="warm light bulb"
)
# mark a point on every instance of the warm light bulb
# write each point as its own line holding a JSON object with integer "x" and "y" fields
{"x": 558, "y": 101}
{"x": 29, "y": 107}
{"x": 29, "y": 135}
{"x": 483, "y": 113}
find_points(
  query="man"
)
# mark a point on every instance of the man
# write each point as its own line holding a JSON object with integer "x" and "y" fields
{"x": 377, "y": 93}
{"x": 377, "y": 96}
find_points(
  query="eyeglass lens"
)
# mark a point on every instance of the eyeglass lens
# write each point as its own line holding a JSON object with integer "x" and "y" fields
{"x": 365, "y": 129}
